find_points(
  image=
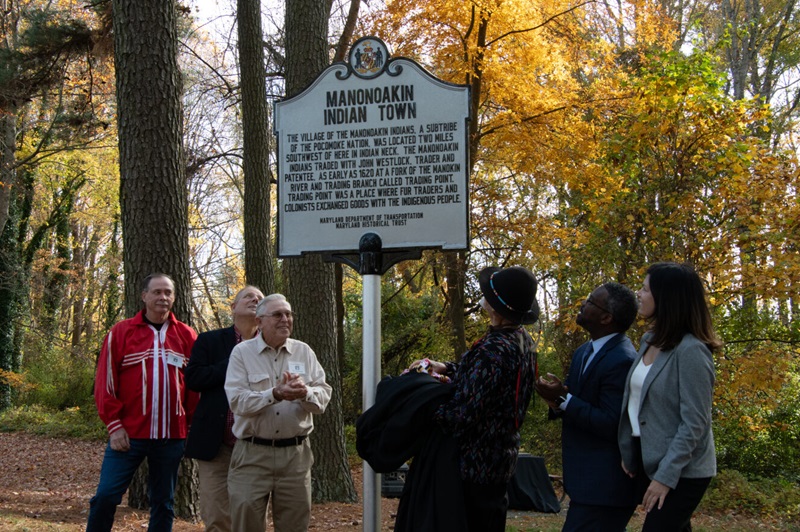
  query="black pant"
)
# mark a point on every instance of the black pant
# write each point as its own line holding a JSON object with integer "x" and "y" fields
{"x": 679, "y": 504}
{"x": 594, "y": 518}
{"x": 486, "y": 506}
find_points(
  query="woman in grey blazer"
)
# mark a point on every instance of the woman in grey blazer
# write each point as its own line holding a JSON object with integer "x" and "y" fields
{"x": 665, "y": 435}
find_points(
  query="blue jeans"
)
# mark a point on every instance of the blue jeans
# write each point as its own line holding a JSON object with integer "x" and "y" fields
{"x": 163, "y": 458}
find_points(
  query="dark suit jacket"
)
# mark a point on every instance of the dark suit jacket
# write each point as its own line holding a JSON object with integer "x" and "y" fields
{"x": 206, "y": 374}
{"x": 592, "y": 463}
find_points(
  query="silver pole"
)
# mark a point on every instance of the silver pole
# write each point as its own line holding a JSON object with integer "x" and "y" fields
{"x": 371, "y": 293}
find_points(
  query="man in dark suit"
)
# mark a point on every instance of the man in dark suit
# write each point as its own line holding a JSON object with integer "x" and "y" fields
{"x": 210, "y": 438}
{"x": 589, "y": 402}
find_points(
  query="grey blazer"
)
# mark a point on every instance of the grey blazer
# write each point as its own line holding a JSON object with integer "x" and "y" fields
{"x": 674, "y": 414}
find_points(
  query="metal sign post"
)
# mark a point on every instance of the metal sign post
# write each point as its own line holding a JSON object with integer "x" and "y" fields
{"x": 371, "y": 291}
{"x": 371, "y": 263}
{"x": 375, "y": 150}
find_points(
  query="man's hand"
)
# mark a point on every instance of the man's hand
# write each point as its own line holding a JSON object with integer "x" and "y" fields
{"x": 629, "y": 473}
{"x": 550, "y": 389}
{"x": 290, "y": 388}
{"x": 120, "y": 441}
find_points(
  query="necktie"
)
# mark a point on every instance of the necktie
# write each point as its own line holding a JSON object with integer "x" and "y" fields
{"x": 586, "y": 358}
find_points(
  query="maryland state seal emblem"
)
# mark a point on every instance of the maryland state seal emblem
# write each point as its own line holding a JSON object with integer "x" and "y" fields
{"x": 368, "y": 57}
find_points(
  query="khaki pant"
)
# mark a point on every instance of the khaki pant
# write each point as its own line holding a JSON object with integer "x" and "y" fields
{"x": 256, "y": 472}
{"x": 214, "y": 491}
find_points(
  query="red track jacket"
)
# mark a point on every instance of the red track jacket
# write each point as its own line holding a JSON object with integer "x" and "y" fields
{"x": 139, "y": 381}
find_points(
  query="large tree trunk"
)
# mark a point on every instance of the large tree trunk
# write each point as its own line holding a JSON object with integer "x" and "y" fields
{"x": 8, "y": 136}
{"x": 255, "y": 119}
{"x": 8, "y": 259}
{"x": 10, "y": 280}
{"x": 153, "y": 194}
{"x": 310, "y": 282}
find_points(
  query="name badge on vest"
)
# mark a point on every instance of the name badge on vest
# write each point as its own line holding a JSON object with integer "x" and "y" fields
{"x": 175, "y": 360}
{"x": 298, "y": 368}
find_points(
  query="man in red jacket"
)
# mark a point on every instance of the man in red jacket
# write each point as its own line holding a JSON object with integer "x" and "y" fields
{"x": 142, "y": 399}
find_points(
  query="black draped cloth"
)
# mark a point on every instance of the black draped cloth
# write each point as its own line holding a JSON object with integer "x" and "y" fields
{"x": 400, "y": 427}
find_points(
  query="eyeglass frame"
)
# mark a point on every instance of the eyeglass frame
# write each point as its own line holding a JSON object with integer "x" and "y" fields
{"x": 589, "y": 300}
{"x": 278, "y": 315}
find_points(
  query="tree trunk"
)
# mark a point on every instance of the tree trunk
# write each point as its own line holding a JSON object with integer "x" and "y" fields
{"x": 10, "y": 273}
{"x": 8, "y": 137}
{"x": 57, "y": 281}
{"x": 310, "y": 282}
{"x": 8, "y": 258}
{"x": 455, "y": 270}
{"x": 153, "y": 193}
{"x": 185, "y": 506}
{"x": 255, "y": 119}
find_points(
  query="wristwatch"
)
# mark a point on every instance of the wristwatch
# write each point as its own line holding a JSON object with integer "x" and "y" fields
{"x": 560, "y": 400}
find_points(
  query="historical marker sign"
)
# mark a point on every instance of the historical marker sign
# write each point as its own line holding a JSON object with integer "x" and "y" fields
{"x": 374, "y": 145}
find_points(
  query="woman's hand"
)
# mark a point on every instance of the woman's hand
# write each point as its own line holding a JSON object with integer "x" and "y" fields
{"x": 656, "y": 493}
{"x": 435, "y": 366}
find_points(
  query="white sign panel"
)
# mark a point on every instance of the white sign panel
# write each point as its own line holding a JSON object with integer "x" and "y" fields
{"x": 375, "y": 145}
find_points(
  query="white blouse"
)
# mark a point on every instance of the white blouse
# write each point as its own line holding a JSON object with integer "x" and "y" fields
{"x": 635, "y": 396}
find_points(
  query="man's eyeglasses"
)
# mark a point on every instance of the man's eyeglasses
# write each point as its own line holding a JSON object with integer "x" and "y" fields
{"x": 589, "y": 300}
{"x": 278, "y": 315}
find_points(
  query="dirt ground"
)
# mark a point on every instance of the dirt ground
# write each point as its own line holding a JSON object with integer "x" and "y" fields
{"x": 46, "y": 483}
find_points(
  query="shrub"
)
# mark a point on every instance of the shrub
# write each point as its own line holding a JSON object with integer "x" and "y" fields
{"x": 732, "y": 492}
{"x": 73, "y": 422}
{"x": 56, "y": 378}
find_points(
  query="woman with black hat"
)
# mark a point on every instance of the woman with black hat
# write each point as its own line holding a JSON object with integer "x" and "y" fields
{"x": 493, "y": 385}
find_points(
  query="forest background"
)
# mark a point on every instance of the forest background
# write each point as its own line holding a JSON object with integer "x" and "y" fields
{"x": 607, "y": 135}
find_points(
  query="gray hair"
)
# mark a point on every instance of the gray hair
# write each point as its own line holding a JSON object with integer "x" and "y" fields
{"x": 263, "y": 303}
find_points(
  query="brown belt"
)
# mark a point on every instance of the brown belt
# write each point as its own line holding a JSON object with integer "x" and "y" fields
{"x": 288, "y": 442}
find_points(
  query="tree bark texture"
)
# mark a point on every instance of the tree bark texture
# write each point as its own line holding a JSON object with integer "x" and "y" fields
{"x": 188, "y": 483}
{"x": 258, "y": 262}
{"x": 310, "y": 282}
{"x": 153, "y": 193}
{"x": 455, "y": 270}
{"x": 10, "y": 280}
{"x": 9, "y": 259}
{"x": 8, "y": 136}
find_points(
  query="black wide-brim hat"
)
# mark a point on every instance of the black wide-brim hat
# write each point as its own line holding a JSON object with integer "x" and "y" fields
{"x": 511, "y": 292}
